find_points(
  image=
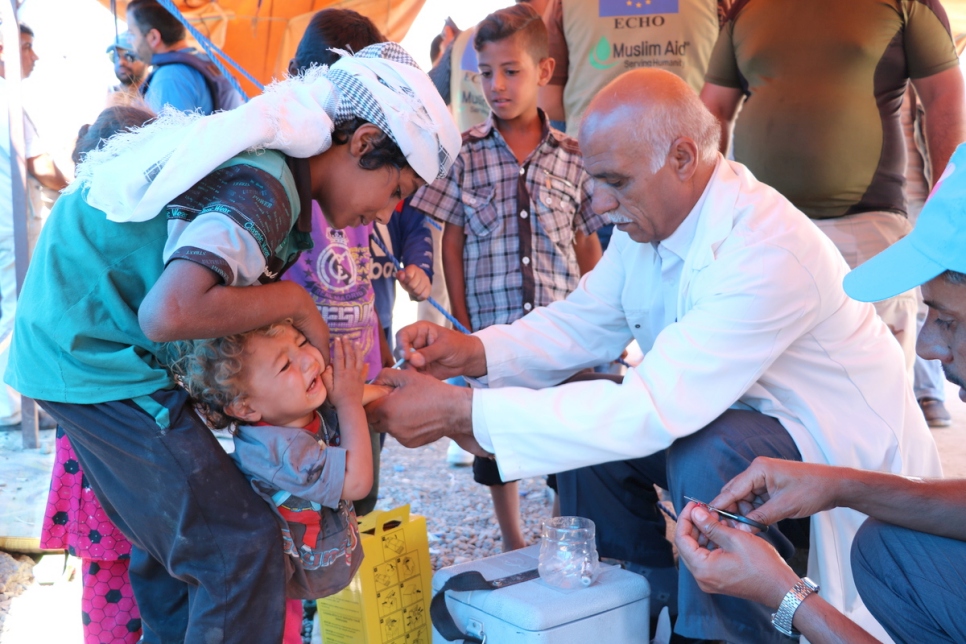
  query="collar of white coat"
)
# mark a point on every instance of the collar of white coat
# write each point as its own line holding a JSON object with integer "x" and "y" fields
{"x": 712, "y": 216}
{"x": 680, "y": 241}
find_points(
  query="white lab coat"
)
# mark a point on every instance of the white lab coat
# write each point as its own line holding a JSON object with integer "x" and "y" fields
{"x": 762, "y": 322}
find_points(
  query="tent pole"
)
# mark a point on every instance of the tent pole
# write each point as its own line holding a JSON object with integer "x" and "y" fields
{"x": 18, "y": 180}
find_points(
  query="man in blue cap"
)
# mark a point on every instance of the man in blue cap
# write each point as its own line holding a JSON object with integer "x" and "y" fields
{"x": 909, "y": 558}
{"x": 128, "y": 68}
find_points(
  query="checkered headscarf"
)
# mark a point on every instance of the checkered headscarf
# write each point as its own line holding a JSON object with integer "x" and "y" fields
{"x": 359, "y": 100}
{"x": 383, "y": 85}
{"x": 135, "y": 174}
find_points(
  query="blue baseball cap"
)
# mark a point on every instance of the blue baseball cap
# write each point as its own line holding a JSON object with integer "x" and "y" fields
{"x": 935, "y": 245}
{"x": 124, "y": 41}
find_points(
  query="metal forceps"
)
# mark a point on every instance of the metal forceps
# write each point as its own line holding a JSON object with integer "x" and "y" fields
{"x": 729, "y": 515}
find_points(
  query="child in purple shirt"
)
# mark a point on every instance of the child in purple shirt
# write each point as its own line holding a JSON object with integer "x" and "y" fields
{"x": 336, "y": 272}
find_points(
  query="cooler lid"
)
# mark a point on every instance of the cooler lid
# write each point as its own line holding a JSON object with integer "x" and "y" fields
{"x": 536, "y": 606}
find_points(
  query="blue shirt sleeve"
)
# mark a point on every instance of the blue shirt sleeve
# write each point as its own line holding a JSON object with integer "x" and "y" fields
{"x": 410, "y": 240}
{"x": 410, "y": 232}
{"x": 181, "y": 87}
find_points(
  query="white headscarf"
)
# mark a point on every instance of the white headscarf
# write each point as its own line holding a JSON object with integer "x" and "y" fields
{"x": 136, "y": 174}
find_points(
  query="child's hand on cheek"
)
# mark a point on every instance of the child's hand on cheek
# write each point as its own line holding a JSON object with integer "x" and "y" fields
{"x": 327, "y": 380}
{"x": 348, "y": 371}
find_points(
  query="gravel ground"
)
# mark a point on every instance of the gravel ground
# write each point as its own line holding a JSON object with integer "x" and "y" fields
{"x": 16, "y": 575}
{"x": 458, "y": 511}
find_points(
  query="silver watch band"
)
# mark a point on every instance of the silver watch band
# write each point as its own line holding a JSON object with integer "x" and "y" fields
{"x": 782, "y": 620}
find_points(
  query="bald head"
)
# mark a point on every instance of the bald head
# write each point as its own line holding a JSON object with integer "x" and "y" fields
{"x": 650, "y": 109}
{"x": 651, "y": 148}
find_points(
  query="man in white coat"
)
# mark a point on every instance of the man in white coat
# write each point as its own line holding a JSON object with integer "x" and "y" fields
{"x": 751, "y": 348}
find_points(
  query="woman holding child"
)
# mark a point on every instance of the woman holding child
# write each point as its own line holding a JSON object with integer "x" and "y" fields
{"x": 155, "y": 242}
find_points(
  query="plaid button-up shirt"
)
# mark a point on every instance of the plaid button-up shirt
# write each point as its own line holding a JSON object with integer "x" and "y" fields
{"x": 519, "y": 221}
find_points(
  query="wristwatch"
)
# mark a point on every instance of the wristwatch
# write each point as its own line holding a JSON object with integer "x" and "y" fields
{"x": 782, "y": 620}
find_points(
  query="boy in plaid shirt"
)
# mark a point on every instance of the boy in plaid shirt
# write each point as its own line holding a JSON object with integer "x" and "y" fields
{"x": 519, "y": 225}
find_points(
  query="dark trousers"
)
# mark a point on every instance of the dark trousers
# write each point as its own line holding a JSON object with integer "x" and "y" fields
{"x": 207, "y": 563}
{"x": 620, "y": 498}
{"x": 913, "y": 583}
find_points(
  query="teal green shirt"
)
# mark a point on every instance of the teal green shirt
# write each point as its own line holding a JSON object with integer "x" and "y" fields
{"x": 77, "y": 338}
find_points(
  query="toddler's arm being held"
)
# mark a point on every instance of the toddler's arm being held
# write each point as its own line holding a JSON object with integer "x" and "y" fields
{"x": 374, "y": 392}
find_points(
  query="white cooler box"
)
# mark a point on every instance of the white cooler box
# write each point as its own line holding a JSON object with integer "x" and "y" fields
{"x": 614, "y": 610}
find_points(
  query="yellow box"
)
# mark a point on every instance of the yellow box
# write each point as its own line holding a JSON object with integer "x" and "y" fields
{"x": 388, "y": 599}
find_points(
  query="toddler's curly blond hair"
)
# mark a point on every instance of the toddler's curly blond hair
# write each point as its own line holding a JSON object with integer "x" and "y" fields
{"x": 212, "y": 371}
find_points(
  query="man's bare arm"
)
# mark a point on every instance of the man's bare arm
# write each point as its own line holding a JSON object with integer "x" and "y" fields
{"x": 772, "y": 489}
{"x": 942, "y": 100}
{"x": 43, "y": 169}
{"x": 550, "y": 96}
{"x": 723, "y": 103}
{"x": 923, "y": 505}
{"x": 822, "y": 623}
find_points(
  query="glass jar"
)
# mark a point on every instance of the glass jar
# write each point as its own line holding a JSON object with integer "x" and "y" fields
{"x": 568, "y": 552}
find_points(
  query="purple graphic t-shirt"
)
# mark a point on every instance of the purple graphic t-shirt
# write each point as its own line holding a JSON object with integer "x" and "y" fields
{"x": 336, "y": 272}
